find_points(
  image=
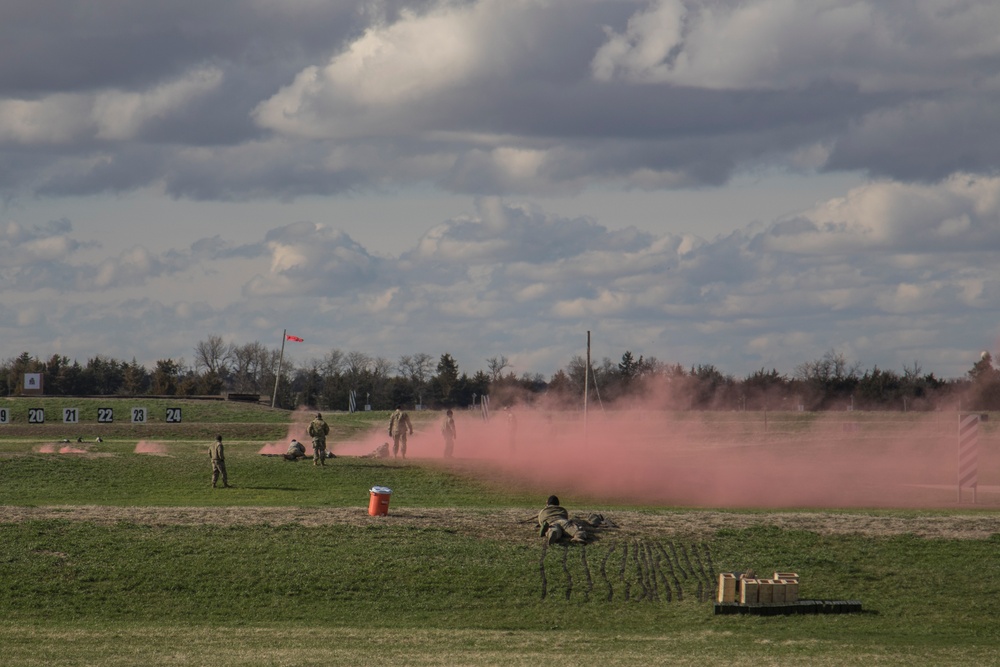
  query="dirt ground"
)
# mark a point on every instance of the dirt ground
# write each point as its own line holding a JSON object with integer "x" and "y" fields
{"x": 521, "y": 523}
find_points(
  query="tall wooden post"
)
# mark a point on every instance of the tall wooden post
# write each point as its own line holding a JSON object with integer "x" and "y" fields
{"x": 281, "y": 357}
{"x": 586, "y": 387}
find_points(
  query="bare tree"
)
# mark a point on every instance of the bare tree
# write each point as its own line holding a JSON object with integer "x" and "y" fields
{"x": 333, "y": 363}
{"x": 495, "y": 365}
{"x": 213, "y": 355}
{"x": 357, "y": 363}
{"x": 381, "y": 368}
{"x": 912, "y": 373}
{"x": 832, "y": 367}
{"x": 417, "y": 367}
{"x": 253, "y": 364}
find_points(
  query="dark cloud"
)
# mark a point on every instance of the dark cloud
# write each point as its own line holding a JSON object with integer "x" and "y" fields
{"x": 924, "y": 139}
{"x": 78, "y": 45}
{"x": 232, "y": 100}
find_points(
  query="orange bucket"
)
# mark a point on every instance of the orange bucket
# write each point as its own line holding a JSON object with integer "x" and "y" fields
{"x": 378, "y": 504}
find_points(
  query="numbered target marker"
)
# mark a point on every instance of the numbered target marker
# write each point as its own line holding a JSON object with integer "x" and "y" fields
{"x": 138, "y": 415}
{"x": 173, "y": 415}
{"x": 71, "y": 415}
{"x": 105, "y": 415}
{"x": 36, "y": 415}
{"x": 4, "y": 416}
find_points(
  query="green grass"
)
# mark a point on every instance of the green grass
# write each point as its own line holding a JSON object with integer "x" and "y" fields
{"x": 87, "y": 593}
{"x": 88, "y": 580}
{"x": 120, "y": 477}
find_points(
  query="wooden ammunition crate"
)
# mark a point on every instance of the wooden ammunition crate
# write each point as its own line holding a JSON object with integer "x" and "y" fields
{"x": 791, "y": 590}
{"x": 727, "y": 587}
{"x": 778, "y": 592}
{"x": 765, "y": 591}
{"x": 748, "y": 591}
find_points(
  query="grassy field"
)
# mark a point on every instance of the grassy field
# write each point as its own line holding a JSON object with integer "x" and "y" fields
{"x": 111, "y": 556}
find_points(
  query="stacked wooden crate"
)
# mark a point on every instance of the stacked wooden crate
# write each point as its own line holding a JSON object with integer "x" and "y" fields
{"x": 782, "y": 588}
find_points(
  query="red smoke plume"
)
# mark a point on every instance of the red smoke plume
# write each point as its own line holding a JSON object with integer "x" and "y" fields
{"x": 716, "y": 459}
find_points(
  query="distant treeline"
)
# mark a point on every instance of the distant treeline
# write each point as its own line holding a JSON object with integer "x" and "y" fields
{"x": 828, "y": 383}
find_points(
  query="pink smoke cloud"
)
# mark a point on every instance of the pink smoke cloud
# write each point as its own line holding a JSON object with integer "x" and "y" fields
{"x": 154, "y": 448}
{"x": 715, "y": 459}
{"x": 60, "y": 449}
{"x": 299, "y": 430}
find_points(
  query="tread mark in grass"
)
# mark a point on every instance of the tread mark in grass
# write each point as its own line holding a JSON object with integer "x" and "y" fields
{"x": 604, "y": 571}
{"x": 708, "y": 561}
{"x": 703, "y": 575}
{"x": 674, "y": 567}
{"x": 659, "y": 559}
{"x": 678, "y": 565}
{"x": 640, "y": 569}
{"x": 586, "y": 571}
{"x": 651, "y": 560}
{"x": 569, "y": 577}
{"x": 627, "y": 587}
{"x": 640, "y": 575}
{"x": 687, "y": 562}
{"x": 541, "y": 569}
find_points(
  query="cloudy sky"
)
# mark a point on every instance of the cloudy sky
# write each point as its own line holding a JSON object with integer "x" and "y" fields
{"x": 745, "y": 183}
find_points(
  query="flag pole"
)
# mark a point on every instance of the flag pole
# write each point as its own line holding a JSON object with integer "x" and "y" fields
{"x": 274, "y": 397}
{"x": 586, "y": 385}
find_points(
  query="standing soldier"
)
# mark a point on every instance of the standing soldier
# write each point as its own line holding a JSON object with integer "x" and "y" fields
{"x": 449, "y": 433}
{"x": 399, "y": 424}
{"x": 318, "y": 430}
{"x": 218, "y": 455}
{"x": 511, "y": 428}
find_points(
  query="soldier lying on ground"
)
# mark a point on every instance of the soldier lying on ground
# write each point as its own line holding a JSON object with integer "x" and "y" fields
{"x": 554, "y": 523}
{"x": 381, "y": 452}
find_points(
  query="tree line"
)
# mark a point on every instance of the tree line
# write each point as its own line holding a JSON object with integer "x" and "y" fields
{"x": 219, "y": 367}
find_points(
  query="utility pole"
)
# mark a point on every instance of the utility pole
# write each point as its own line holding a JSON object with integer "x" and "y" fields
{"x": 586, "y": 386}
{"x": 274, "y": 396}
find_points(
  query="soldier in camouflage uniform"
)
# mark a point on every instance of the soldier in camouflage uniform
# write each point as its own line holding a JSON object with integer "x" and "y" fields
{"x": 218, "y": 455}
{"x": 449, "y": 433}
{"x": 554, "y": 523}
{"x": 399, "y": 424}
{"x": 318, "y": 430}
{"x": 296, "y": 451}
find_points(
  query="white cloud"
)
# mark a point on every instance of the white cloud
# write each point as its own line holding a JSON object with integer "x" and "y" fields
{"x": 774, "y": 44}
{"x": 310, "y": 259}
{"x": 960, "y": 213}
{"x": 119, "y": 115}
{"x": 115, "y": 115}
{"x": 395, "y": 65}
{"x": 54, "y": 119}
